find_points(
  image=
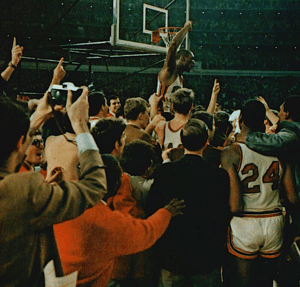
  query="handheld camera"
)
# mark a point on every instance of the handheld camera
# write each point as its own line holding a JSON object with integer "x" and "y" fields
{"x": 59, "y": 93}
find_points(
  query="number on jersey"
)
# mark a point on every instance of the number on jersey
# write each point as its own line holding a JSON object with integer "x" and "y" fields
{"x": 271, "y": 175}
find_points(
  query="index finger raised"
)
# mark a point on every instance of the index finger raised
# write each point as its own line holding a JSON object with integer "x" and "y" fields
{"x": 60, "y": 61}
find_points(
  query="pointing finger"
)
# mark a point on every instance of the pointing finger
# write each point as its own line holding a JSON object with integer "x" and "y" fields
{"x": 61, "y": 61}
{"x": 14, "y": 42}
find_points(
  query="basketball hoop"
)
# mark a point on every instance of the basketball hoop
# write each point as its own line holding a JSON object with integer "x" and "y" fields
{"x": 166, "y": 33}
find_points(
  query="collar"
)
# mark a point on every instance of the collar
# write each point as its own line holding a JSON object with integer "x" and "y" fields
{"x": 133, "y": 125}
{"x": 113, "y": 114}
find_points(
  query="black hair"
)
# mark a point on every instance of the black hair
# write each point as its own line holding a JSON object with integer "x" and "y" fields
{"x": 183, "y": 52}
{"x": 106, "y": 132}
{"x": 137, "y": 157}
{"x": 253, "y": 114}
{"x": 96, "y": 101}
{"x": 292, "y": 105}
{"x": 205, "y": 117}
{"x": 113, "y": 173}
{"x": 14, "y": 118}
{"x": 182, "y": 100}
{"x": 112, "y": 97}
{"x": 194, "y": 135}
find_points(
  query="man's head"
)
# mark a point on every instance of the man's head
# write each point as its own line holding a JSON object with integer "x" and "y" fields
{"x": 14, "y": 118}
{"x": 194, "y": 135}
{"x": 208, "y": 119}
{"x": 253, "y": 115}
{"x": 137, "y": 110}
{"x": 109, "y": 136}
{"x": 114, "y": 104}
{"x": 289, "y": 110}
{"x": 182, "y": 101}
{"x": 34, "y": 154}
{"x": 137, "y": 157}
{"x": 98, "y": 104}
{"x": 185, "y": 60}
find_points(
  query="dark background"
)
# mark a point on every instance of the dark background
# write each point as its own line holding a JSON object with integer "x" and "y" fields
{"x": 251, "y": 46}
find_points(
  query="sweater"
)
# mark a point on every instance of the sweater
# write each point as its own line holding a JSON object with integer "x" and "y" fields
{"x": 91, "y": 242}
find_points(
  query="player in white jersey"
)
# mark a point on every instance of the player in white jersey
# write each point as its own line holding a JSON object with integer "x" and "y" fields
{"x": 182, "y": 103}
{"x": 256, "y": 230}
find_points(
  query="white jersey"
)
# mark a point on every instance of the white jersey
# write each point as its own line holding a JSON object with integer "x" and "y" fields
{"x": 167, "y": 91}
{"x": 172, "y": 138}
{"x": 260, "y": 176}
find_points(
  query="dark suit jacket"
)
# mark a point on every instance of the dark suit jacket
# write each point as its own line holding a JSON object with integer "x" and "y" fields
{"x": 29, "y": 207}
{"x": 195, "y": 241}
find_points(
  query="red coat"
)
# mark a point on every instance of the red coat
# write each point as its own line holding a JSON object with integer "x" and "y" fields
{"x": 91, "y": 242}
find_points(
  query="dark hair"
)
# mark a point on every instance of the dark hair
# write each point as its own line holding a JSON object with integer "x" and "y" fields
{"x": 112, "y": 97}
{"x": 253, "y": 114}
{"x": 96, "y": 101}
{"x": 221, "y": 116}
{"x": 120, "y": 112}
{"x": 113, "y": 173}
{"x": 184, "y": 53}
{"x": 137, "y": 157}
{"x": 292, "y": 105}
{"x": 223, "y": 126}
{"x": 106, "y": 132}
{"x": 133, "y": 107}
{"x": 198, "y": 108}
{"x": 182, "y": 100}
{"x": 194, "y": 135}
{"x": 205, "y": 117}
{"x": 14, "y": 118}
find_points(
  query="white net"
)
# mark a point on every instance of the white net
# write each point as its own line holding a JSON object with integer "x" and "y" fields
{"x": 168, "y": 34}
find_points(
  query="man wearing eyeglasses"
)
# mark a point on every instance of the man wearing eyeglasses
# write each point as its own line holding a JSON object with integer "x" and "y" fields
{"x": 34, "y": 154}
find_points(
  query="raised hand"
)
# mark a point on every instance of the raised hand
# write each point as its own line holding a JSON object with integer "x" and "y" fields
{"x": 58, "y": 73}
{"x": 216, "y": 88}
{"x": 78, "y": 111}
{"x": 43, "y": 112}
{"x": 262, "y": 100}
{"x": 16, "y": 53}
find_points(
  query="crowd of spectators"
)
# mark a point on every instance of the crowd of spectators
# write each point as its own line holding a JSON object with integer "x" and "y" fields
{"x": 138, "y": 197}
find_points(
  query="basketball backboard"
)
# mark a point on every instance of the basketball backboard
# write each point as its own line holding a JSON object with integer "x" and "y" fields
{"x": 134, "y": 22}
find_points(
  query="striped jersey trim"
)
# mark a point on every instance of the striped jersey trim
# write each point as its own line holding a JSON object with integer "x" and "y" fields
{"x": 261, "y": 214}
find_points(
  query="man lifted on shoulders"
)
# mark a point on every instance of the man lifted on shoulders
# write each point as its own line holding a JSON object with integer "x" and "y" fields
{"x": 175, "y": 64}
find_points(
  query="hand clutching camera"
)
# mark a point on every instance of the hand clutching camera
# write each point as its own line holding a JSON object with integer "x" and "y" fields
{"x": 59, "y": 93}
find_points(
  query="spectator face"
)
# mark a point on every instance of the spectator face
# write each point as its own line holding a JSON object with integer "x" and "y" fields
{"x": 34, "y": 153}
{"x": 114, "y": 105}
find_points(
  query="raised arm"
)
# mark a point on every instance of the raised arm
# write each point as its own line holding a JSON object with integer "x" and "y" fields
{"x": 270, "y": 115}
{"x": 214, "y": 97}
{"x": 58, "y": 73}
{"x": 230, "y": 161}
{"x": 281, "y": 143}
{"x": 170, "y": 63}
{"x": 16, "y": 54}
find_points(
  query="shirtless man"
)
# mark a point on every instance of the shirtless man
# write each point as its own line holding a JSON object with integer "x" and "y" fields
{"x": 175, "y": 64}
